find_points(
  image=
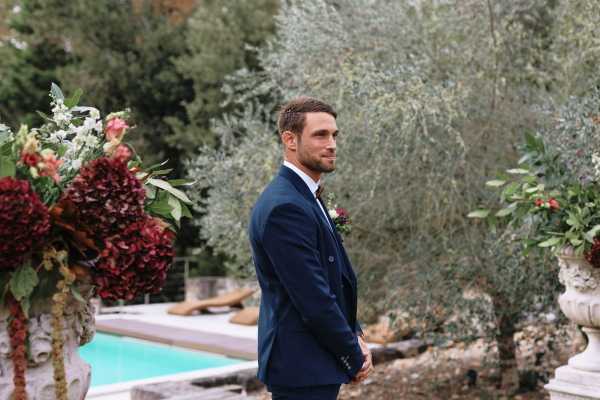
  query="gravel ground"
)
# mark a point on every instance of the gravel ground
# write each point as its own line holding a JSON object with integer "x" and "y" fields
{"x": 463, "y": 371}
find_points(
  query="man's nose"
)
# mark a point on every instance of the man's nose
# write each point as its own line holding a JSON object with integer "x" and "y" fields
{"x": 331, "y": 143}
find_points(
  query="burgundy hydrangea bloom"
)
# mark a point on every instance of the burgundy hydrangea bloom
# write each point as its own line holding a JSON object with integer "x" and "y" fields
{"x": 134, "y": 261}
{"x": 107, "y": 196}
{"x": 593, "y": 255}
{"x": 24, "y": 222}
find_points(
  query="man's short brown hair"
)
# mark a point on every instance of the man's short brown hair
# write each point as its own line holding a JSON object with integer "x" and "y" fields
{"x": 292, "y": 115}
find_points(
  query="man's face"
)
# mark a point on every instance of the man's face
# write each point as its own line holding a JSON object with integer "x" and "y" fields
{"x": 316, "y": 147}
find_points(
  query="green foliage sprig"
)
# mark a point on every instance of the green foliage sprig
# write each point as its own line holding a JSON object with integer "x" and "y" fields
{"x": 545, "y": 202}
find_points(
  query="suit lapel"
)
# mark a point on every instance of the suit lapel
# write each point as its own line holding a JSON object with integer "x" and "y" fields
{"x": 299, "y": 184}
{"x": 346, "y": 269}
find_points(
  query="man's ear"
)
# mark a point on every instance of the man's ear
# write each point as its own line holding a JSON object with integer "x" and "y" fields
{"x": 289, "y": 140}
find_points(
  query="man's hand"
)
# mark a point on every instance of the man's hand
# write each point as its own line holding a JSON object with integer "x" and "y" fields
{"x": 367, "y": 367}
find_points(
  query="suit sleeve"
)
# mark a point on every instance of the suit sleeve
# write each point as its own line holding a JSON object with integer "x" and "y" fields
{"x": 358, "y": 329}
{"x": 292, "y": 249}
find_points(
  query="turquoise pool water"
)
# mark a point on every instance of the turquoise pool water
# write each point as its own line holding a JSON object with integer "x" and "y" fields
{"x": 117, "y": 359}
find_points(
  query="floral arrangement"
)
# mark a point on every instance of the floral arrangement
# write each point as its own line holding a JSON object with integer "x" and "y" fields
{"x": 339, "y": 216}
{"x": 77, "y": 206}
{"x": 553, "y": 197}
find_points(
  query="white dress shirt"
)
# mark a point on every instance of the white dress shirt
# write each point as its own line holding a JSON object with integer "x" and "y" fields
{"x": 312, "y": 186}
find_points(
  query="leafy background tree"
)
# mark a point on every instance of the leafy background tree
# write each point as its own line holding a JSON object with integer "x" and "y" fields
{"x": 223, "y": 37}
{"x": 28, "y": 64}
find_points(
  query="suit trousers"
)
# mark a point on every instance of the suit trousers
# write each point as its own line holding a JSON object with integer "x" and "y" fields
{"x": 325, "y": 392}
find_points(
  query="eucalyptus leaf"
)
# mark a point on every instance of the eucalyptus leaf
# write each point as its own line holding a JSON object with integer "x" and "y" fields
{"x": 56, "y": 92}
{"x": 506, "y": 211}
{"x": 7, "y": 167}
{"x": 162, "y": 171}
{"x": 6, "y": 149}
{"x": 575, "y": 242}
{"x": 495, "y": 183}
{"x": 166, "y": 186}
{"x": 531, "y": 141}
{"x": 510, "y": 189}
{"x": 532, "y": 190}
{"x": 23, "y": 281}
{"x": 175, "y": 208}
{"x": 181, "y": 182}
{"x": 160, "y": 206}
{"x": 185, "y": 211}
{"x": 524, "y": 159}
{"x": 74, "y": 99}
{"x": 550, "y": 242}
{"x": 43, "y": 115}
{"x": 478, "y": 214}
{"x": 155, "y": 166}
{"x": 4, "y": 136}
{"x": 61, "y": 150}
{"x": 25, "y": 306}
{"x": 517, "y": 171}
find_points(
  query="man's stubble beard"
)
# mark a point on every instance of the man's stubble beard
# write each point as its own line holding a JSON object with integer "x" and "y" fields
{"x": 314, "y": 164}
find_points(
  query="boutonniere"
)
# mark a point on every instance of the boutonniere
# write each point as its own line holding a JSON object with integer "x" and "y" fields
{"x": 339, "y": 216}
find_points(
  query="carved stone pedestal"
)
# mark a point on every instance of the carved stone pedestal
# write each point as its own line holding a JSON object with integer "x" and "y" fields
{"x": 580, "y": 379}
{"x": 570, "y": 383}
{"x": 78, "y": 330}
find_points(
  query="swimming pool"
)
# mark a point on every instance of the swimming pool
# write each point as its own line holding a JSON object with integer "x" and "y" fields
{"x": 117, "y": 359}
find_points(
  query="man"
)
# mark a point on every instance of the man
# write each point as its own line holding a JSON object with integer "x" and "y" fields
{"x": 309, "y": 341}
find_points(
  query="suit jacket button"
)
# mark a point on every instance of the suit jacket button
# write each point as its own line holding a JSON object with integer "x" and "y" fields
{"x": 331, "y": 259}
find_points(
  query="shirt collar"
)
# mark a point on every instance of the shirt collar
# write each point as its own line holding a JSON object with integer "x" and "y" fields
{"x": 312, "y": 185}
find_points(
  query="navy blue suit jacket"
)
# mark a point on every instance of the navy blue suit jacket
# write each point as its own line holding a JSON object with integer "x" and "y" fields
{"x": 307, "y": 325}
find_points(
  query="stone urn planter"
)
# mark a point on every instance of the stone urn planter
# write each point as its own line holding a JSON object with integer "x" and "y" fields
{"x": 580, "y": 378}
{"x": 78, "y": 330}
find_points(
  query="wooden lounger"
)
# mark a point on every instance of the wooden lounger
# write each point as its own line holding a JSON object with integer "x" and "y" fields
{"x": 231, "y": 299}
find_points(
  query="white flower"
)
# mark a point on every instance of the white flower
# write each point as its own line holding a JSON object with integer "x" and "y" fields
{"x": 91, "y": 124}
{"x": 61, "y": 114}
{"x": 80, "y": 130}
{"x": 62, "y": 118}
{"x": 333, "y": 213}
{"x": 76, "y": 164}
{"x": 59, "y": 106}
{"x": 91, "y": 140}
{"x": 79, "y": 140}
{"x": 94, "y": 113}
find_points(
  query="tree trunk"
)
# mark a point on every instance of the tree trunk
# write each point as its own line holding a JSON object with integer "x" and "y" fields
{"x": 507, "y": 353}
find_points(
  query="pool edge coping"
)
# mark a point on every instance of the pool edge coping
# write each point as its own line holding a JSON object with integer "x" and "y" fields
{"x": 150, "y": 334}
{"x": 125, "y": 387}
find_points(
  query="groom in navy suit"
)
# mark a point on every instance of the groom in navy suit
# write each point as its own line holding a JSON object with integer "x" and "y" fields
{"x": 309, "y": 341}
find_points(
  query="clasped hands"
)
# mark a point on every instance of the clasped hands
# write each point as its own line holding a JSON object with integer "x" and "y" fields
{"x": 367, "y": 367}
